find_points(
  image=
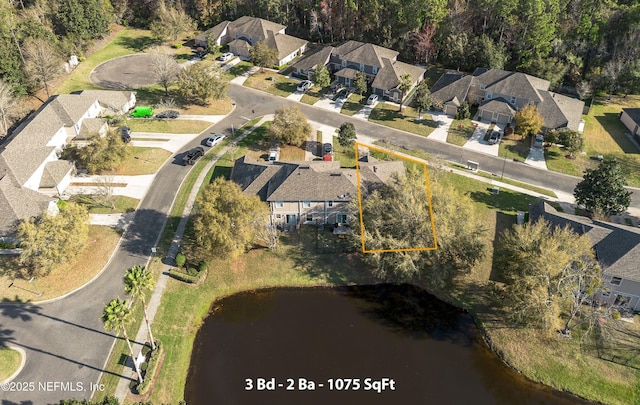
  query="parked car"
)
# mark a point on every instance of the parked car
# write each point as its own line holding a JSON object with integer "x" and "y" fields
{"x": 193, "y": 155}
{"x": 494, "y": 137}
{"x": 125, "y": 134}
{"x": 273, "y": 155}
{"x": 215, "y": 139}
{"x": 372, "y": 99}
{"x": 225, "y": 56}
{"x": 305, "y": 85}
{"x": 539, "y": 141}
{"x": 172, "y": 114}
{"x": 327, "y": 148}
{"x": 142, "y": 111}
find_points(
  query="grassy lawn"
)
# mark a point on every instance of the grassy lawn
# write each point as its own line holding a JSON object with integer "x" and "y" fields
{"x": 557, "y": 161}
{"x": 387, "y": 114}
{"x": 126, "y": 42}
{"x": 354, "y": 103}
{"x": 314, "y": 95}
{"x": 280, "y": 85}
{"x": 240, "y": 68}
{"x": 346, "y": 156}
{"x": 289, "y": 153}
{"x": 433, "y": 74}
{"x": 155, "y": 94}
{"x": 141, "y": 161}
{"x": 9, "y": 362}
{"x": 177, "y": 126}
{"x": 66, "y": 277}
{"x": 96, "y": 205}
{"x": 460, "y": 132}
{"x": 513, "y": 147}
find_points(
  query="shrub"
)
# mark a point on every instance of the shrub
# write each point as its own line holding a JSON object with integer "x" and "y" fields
{"x": 192, "y": 271}
{"x": 180, "y": 260}
{"x": 151, "y": 366}
{"x": 176, "y": 46}
{"x": 202, "y": 266}
{"x": 197, "y": 278}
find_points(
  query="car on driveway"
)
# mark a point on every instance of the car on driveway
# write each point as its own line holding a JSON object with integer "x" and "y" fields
{"x": 274, "y": 155}
{"x": 304, "y": 85}
{"x": 539, "y": 140}
{"x": 193, "y": 155}
{"x": 494, "y": 137}
{"x": 215, "y": 139}
{"x": 372, "y": 99}
{"x": 125, "y": 134}
{"x": 225, "y": 57}
{"x": 327, "y": 148}
{"x": 172, "y": 114}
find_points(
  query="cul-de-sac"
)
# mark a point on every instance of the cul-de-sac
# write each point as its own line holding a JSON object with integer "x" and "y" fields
{"x": 284, "y": 202}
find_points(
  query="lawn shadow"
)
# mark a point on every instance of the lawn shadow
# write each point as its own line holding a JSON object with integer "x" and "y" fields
{"x": 153, "y": 95}
{"x": 616, "y": 129}
{"x": 221, "y": 171}
{"x": 518, "y": 148}
{"x": 287, "y": 87}
{"x": 139, "y": 44}
{"x": 503, "y": 222}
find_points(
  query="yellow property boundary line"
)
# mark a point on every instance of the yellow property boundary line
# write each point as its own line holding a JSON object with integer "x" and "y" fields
{"x": 426, "y": 178}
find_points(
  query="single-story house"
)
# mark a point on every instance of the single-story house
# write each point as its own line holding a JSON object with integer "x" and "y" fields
{"x": 308, "y": 192}
{"x": 630, "y": 117}
{"x": 617, "y": 248}
{"x": 500, "y": 94}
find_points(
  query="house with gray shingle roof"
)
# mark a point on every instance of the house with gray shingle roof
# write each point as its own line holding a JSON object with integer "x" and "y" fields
{"x": 308, "y": 64}
{"x": 29, "y": 166}
{"x": 617, "y": 248}
{"x": 500, "y": 94}
{"x": 218, "y": 32}
{"x": 630, "y": 117}
{"x": 308, "y": 192}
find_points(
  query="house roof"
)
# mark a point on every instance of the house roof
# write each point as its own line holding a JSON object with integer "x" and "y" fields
{"x": 256, "y": 28}
{"x": 284, "y": 44}
{"x": 511, "y": 83}
{"x": 498, "y": 105}
{"x": 215, "y": 31}
{"x": 90, "y": 127}
{"x": 347, "y": 73}
{"x": 239, "y": 43}
{"x": 633, "y": 113}
{"x": 307, "y": 184}
{"x": 111, "y": 100}
{"x": 560, "y": 111}
{"x": 311, "y": 61}
{"x": 617, "y": 247}
{"x": 364, "y": 53}
{"x": 17, "y": 203}
{"x": 55, "y": 172}
{"x": 450, "y": 86}
{"x": 389, "y": 76}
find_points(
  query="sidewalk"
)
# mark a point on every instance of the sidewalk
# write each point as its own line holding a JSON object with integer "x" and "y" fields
{"x": 154, "y": 302}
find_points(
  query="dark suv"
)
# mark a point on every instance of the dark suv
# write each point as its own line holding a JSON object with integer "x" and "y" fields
{"x": 192, "y": 155}
{"x": 125, "y": 134}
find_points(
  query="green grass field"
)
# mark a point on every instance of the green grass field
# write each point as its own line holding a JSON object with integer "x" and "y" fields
{"x": 272, "y": 82}
{"x": 9, "y": 362}
{"x": 388, "y": 115}
{"x": 460, "y": 132}
{"x": 354, "y": 103}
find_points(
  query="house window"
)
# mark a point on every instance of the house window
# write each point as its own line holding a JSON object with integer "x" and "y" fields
{"x": 606, "y": 294}
{"x": 330, "y": 204}
{"x": 309, "y": 217}
{"x": 344, "y": 63}
{"x": 616, "y": 281}
{"x": 489, "y": 94}
{"x": 306, "y": 204}
{"x": 341, "y": 218}
{"x": 513, "y": 100}
{"x": 375, "y": 70}
{"x": 279, "y": 204}
{"x": 278, "y": 216}
{"x": 362, "y": 67}
{"x": 622, "y": 300}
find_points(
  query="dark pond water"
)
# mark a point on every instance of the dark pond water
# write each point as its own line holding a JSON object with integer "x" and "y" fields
{"x": 383, "y": 336}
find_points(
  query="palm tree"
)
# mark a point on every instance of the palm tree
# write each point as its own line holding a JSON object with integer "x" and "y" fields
{"x": 404, "y": 86}
{"x": 136, "y": 281}
{"x": 115, "y": 316}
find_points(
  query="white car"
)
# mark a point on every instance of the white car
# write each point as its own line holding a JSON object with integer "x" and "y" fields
{"x": 225, "y": 57}
{"x": 273, "y": 155}
{"x": 215, "y": 139}
{"x": 372, "y": 99}
{"x": 305, "y": 85}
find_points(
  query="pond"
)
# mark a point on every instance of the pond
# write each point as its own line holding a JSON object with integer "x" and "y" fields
{"x": 384, "y": 344}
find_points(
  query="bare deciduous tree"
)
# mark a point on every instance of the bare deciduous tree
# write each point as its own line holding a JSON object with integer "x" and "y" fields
{"x": 43, "y": 63}
{"x": 7, "y": 105}
{"x": 166, "y": 70}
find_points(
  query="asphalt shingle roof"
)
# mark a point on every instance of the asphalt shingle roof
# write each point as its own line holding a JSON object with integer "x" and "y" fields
{"x": 214, "y": 31}
{"x": 451, "y": 86}
{"x": 313, "y": 60}
{"x": 284, "y": 44}
{"x": 257, "y": 28}
{"x": 511, "y": 83}
{"x": 54, "y": 172}
{"x": 560, "y": 111}
{"x": 17, "y": 203}
{"x": 389, "y": 76}
{"x": 498, "y": 105}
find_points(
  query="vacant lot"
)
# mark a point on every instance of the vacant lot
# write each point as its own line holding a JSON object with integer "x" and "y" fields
{"x": 272, "y": 82}
{"x": 387, "y": 114}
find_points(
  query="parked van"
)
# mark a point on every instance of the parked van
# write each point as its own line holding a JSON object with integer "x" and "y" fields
{"x": 142, "y": 112}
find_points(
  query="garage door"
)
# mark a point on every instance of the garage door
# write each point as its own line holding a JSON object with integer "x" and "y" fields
{"x": 450, "y": 109}
{"x": 503, "y": 119}
{"x": 487, "y": 115}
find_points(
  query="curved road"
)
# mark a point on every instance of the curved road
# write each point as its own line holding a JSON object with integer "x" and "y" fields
{"x": 65, "y": 341}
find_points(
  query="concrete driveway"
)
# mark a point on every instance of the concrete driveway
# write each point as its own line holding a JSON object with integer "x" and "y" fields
{"x": 440, "y": 133}
{"x": 477, "y": 142}
{"x": 364, "y": 113}
{"x": 536, "y": 158}
{"x": 327, "y": 103}
{"x": 171, "y": 142}
{"x": 128, "y": 186}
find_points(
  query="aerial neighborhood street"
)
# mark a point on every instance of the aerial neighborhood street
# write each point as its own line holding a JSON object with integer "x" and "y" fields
{"x": 225, "y": 163}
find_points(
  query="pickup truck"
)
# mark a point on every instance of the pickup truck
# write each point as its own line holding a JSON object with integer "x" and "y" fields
{"x": 192, "y": 155}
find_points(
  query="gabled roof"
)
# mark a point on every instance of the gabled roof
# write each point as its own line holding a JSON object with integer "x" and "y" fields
{"x": 560, "y": 111}
{"x": 633, "y": 113}
{"x": 307, "y": 184}
{"x": 498, "y": 105}
{"x": 450, "y": 86}
{"x": 90, "y": 127}
{"x": 54, "y": 172}
{"x": 313, "y": 60}
{"x": 255, "y": 27}
{"x": 17, "y": 203}
{"x": 511, "y": 83}
{"x": 617, "y": 247}
{"x": 215, "y": 31}
{"x": 284, "y": 44}
{"x": 112, "y": 100}
{"x": 239, "y": 43}
{"x": 364, "y": 53}
{"x": 347, "y": 73}
{"x": 389, "y": 76}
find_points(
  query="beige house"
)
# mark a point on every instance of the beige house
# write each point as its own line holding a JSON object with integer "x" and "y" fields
{"x": 630, "y": 117}
{"x": 309, "y": 192}
{"x": 617, "y": 248}
{"x": 31, "y": 172}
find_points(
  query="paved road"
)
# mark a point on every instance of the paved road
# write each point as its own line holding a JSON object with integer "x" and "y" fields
{"x": 65, "y": 341}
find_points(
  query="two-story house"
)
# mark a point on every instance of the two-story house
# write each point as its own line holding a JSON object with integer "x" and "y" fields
{"x": 246, "y": 32}
{"x": 308, "y": 192}
{"x": 30, "y": 170}
{"x": 500, "y": 94}
{"x": 617, "y": 248}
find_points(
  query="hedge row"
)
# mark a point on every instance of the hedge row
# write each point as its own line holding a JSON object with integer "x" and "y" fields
{"x": 193, "y": 277}
{"x": 152, "y": 364}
